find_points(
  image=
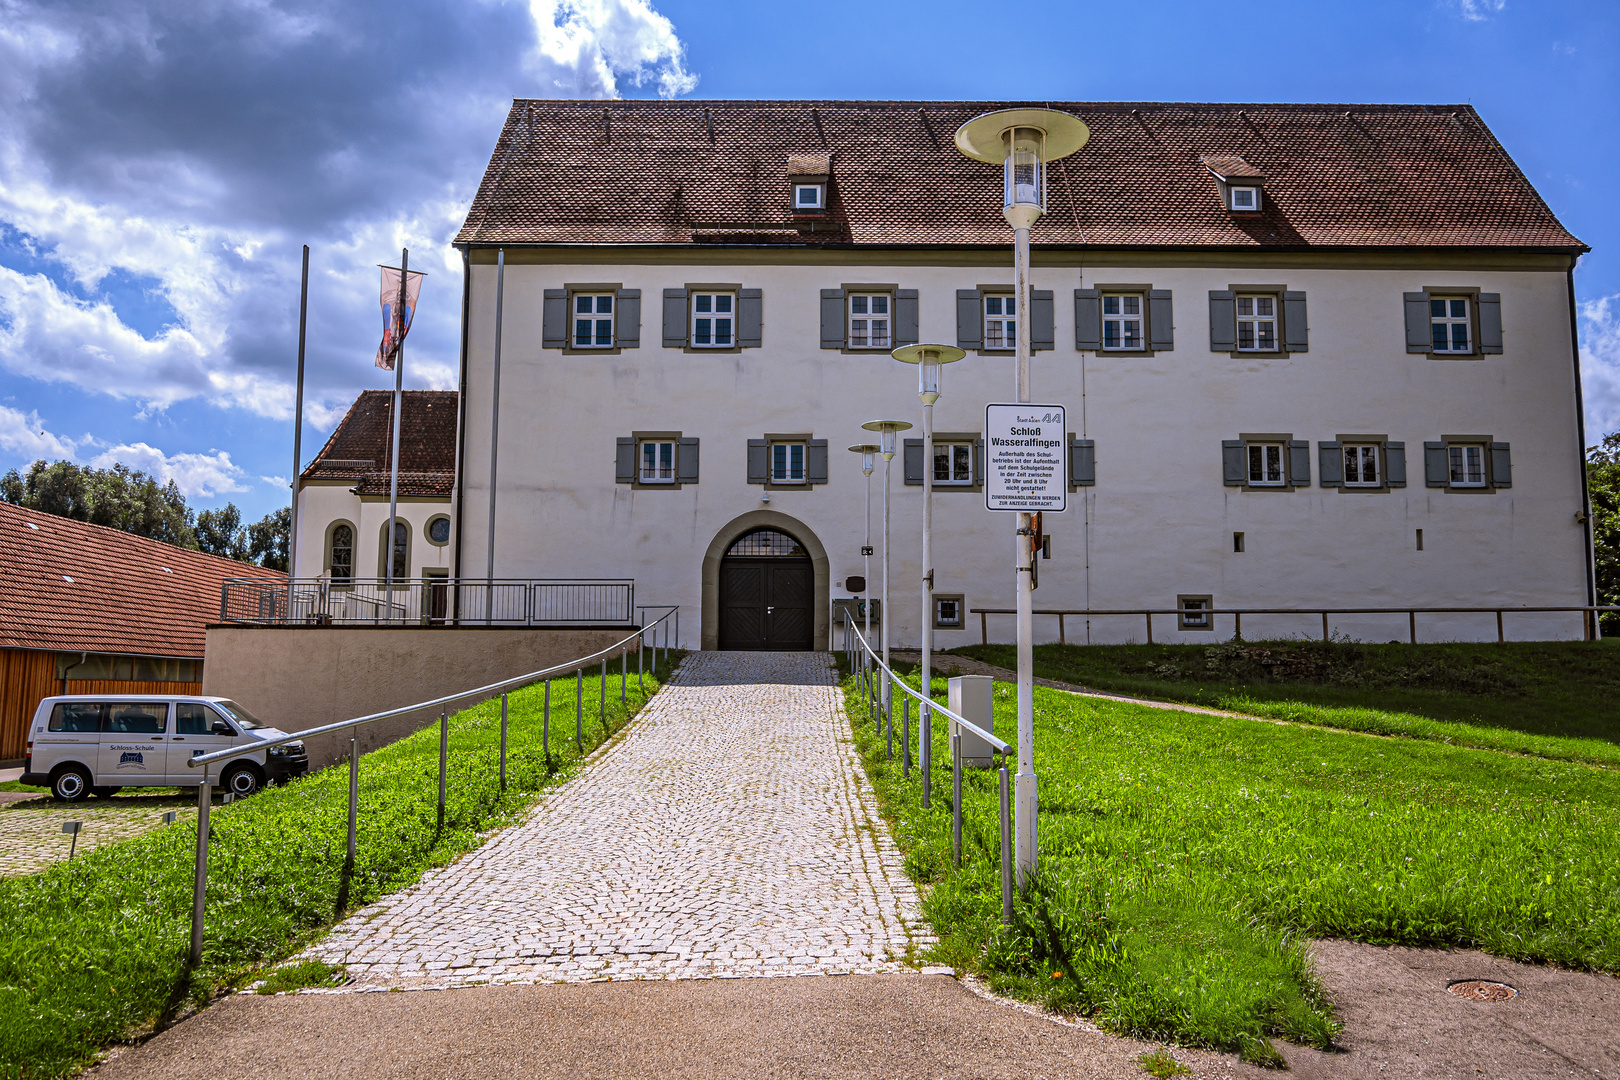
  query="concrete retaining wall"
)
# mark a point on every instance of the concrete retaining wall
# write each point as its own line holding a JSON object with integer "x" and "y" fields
{"x": 297, "y": 678}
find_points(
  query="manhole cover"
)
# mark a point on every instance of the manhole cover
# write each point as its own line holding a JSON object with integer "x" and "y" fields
{"x": 1482, "y": 990}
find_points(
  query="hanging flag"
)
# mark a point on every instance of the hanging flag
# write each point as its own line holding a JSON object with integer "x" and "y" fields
{"x": 396, "y": 323}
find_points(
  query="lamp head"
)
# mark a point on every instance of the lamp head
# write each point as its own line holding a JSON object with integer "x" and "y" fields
{"x": 1022, "y": 141}
{"x": 886, "y": 430}
{"x": 868, "y": 452}
{"x": 929, "y": 359}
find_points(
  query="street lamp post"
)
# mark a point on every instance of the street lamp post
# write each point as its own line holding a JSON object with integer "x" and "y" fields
{"x": 868, "y": 454}
{"x": 886, "y": 437}
{"x": 930, "y": 359}
{"x": 1022, "y": 141}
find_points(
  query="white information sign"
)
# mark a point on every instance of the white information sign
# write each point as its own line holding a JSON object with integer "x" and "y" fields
{"x": 1026, "y": 458}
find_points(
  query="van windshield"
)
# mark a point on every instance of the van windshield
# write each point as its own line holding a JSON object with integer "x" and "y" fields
{"x": 242, "y": 717}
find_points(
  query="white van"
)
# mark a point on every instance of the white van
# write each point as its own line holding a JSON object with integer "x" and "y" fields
{"x": 96, "y": 744}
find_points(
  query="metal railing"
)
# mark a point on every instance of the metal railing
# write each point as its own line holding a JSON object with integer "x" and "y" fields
{"x": 1589, "y": 620}
{"x": 576, "y": 666}
{"x": 430, "y": 601}
{"x": 875, "y": 681}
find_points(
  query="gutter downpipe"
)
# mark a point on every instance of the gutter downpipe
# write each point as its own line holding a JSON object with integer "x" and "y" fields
{"x": 84, "y": 658}
{"x": 1580, "y": 429}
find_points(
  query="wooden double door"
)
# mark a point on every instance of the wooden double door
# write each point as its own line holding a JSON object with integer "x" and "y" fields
{"x": 765, "y": 603}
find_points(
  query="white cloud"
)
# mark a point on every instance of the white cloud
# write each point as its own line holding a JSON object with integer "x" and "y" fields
{"x": 1600, "y": 365}
{"x": 208, "y": 475}
{"x": 1479, "y": 10}
{"x": 23, "y": 435}
{"x": 586, "y": 45}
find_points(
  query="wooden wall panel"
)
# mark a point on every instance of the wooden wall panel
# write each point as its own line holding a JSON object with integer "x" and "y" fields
{"x": 26, "y": 675}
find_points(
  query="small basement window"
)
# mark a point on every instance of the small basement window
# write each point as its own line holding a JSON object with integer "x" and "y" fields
{"x": 1245, "y": 199}
{"x": 809, "y": 196}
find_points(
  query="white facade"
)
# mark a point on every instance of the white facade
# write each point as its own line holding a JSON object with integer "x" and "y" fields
{"x": 1158, "y": 524}
{"x": 325, "y": 505}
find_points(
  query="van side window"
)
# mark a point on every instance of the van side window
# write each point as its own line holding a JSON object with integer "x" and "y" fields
{"x": 136, "y": 717}
{"x": 76, "y": 716}
{"x": 192, "y": 719}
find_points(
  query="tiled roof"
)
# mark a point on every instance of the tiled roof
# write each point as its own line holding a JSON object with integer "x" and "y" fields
{"x": 69, "y": 586}
{"x": 360, "y": 448}
{"x": 1227, "y": 166}
{"x": 674, "y": 172}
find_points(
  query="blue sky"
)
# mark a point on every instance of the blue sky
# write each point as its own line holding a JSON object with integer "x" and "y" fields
{"x": 161, "y": 162}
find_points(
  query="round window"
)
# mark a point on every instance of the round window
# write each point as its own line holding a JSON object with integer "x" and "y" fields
{"x": 438, "y": 530}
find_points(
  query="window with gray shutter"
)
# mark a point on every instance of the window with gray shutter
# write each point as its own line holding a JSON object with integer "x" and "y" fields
{"x": 1299, "y": 463}
{"x": 832, "y": 318}
{"x": 1042, "y": 321}
{"x": 1436, "y": 472}
{"x": 1395, "y": 464}
{"x": 750, "y": 318}
{"x": 627, "y": 319}
{"x": 1490, "y": 322}
{"x": 674, "y": 318}
{"x": 1087, "y": 320}
{"x": 759, "y": 461}
{"x": 969, "y": 329}
{"x": 554, "y": 319}
{"x": 1083, "y": 462}
{"x": 905, "y": 317}
{"x": 1329, "y": 464}
{"x": 624, "y": 464}
{"x": 1296, "y": 329}
{"x": 1222, "y": 323}
{"x": 1161, "y": 320}
{"x": 815, "y": 461}
{"x": 911, "y": 461}
{"x": 686, "y": 462}
{"x": 1501, "y": 465}
{"x": 1417, "y": 322}
{"x": 1234, "y": 465}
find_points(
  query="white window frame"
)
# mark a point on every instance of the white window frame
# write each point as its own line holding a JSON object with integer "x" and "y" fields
{"x": 1254, "y": 194}
{"x": 1450, "y": 320}
{"x": 713, "y": 318}
{"x": 1457, "y": 455}
{"x": 1256, "y": 322}
{"x": 1000, "y": 315}
{"x": 942, "y": 623}
{"x": 1365, "y": 454}
{"x": 860, "y": 314}
{"x": 1192, "y": 613}
{"x": 1123, "y": 322}
{"x": 782, "y": 454}
{"x": 949, "y": 445}
{"x": 594, "y": 319}
{"x": 658, "y": 474}
{"x": 1255, "y": 458}
{"x": 820, "y": 191}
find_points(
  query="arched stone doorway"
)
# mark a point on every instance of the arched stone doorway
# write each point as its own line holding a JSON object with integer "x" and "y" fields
{"x": 765, "y": 585}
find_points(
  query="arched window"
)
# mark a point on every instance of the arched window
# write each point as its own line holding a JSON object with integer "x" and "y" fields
{"x": 340, "y": 553}
{"x": 402, "y": 549}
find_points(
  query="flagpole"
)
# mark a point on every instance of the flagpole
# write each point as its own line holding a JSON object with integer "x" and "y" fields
{"x": 298, "y": 432}
{"x": 393, "y": 471}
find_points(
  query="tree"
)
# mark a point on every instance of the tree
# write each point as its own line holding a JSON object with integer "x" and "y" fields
{"x": 268, "y": 538}
{"x": 1603, "y": 482}
{"x": 220, "y": 532}
{"x": 119, "y": 498}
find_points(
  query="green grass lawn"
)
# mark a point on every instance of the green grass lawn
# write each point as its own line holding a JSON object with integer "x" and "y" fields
{"x": 1551, "y": 699}
{"x": 1184, "y": 858}
{"x": 93, "y": 951}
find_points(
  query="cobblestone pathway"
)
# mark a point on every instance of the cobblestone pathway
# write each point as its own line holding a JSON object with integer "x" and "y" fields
{"x": 31, "y": 836}
{"x": 731, "y": 833}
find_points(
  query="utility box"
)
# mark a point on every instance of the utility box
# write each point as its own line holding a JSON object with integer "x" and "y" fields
{"x": 972, "y": 697}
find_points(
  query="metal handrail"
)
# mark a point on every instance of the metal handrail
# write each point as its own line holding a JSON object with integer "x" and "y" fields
{"x": 430, "y": 601}
{"x": 881, "y": 705}
{"x": 578, "y": 665}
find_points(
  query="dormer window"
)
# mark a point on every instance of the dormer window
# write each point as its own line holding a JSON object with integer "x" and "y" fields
{"x": 1245, "y": 199}
{"x": 1239, "y": 181}
{"x": 808, "y": 176}
{"x": 809, "y": 197}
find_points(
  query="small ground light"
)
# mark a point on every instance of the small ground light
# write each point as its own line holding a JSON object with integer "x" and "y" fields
{"x": 72, "y": 829}
{"x": 168, "y": 817}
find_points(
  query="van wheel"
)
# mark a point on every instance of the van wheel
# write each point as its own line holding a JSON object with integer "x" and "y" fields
{"x": 71, "y": 784}
{"x": 241, "y": 781}
{"x": 105, "y": 792}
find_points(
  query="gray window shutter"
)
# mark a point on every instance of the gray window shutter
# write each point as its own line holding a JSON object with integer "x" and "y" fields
{"x": 1490, "y": 322}
{"x": 1042, "y": 328}
{"x": 1395, "y": 464}
{"x": 1299, "y": 463}
{"x": 1436, "y": 472}
{"x": 750, "y": 318}
{"x": 674, "y": 318}
{"x": 832, "y": 318}
{"x": 905, "y": 317}
{"x": 1296, "y": 329}
{"x": 969, "y": 321}
{"x": 686, "y": 461}
{"x": 911, "y": 461}
{"x": 1083, "y": 462}
{"x": 978, "y": 461}
{"x": 815, "y": 461}
{"x": 1087, "y": 320}
{"x": 625, "y": 461}
{"x": 1418, "y": 339}
{"x": 554, "y": 319}
{"x": 627, "y": 319}
{"x": 1501, "y": 465}
{"x": 1222, "y": 322}
{"x": 1234, "y": 469}
{"x": 1330, "y": 464}
{"x": 759, "y": 467}
{"x": 1161, "y": 320}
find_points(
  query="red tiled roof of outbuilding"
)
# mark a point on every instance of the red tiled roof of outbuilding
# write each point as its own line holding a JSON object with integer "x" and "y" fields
{"x": 677, "y": 172}
{"x": 360, "y": 446}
